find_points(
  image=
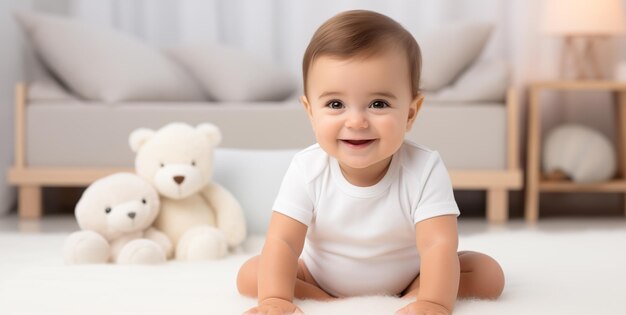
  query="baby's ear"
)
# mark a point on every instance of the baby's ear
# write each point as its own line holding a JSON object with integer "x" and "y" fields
{"x": 418, "y": 100}
{"x": 307, "y": 106}
{"x": 414, "y": 109}
{"x": 139, "y": 137}
{"x": 212, "y": 132}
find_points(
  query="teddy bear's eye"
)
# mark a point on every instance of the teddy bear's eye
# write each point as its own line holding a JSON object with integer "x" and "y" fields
{"x": 162, "y": 164}
{"x": 107, "y": 210}
{"x": 143, "y": 200}
{"x": 193, "y": 163}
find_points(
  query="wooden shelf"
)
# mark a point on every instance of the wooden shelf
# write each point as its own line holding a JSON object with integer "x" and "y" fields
{"x": 611, "y": 186}
{"x": 60, "y": 176}
{"x": 580, "y": 85}
{"x": 535, "y": 182}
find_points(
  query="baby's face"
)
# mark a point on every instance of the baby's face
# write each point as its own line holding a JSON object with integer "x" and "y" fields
{"x": 361, "y": 108}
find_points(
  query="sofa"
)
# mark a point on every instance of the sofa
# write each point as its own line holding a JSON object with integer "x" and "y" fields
{"x": 72, "y": 125}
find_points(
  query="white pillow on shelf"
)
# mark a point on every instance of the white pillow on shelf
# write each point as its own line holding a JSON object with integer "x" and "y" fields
{"x": 106, "y": 65}
{"x": 449, "y": 50}
{"x": 229, "y": 74}
{"x": 583, "y": 154}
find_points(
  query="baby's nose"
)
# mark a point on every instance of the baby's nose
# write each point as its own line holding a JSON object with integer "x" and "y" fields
{"x": 357, "y": 119}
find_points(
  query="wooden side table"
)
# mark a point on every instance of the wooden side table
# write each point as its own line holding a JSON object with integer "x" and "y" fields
{"x": 535, "y": 182}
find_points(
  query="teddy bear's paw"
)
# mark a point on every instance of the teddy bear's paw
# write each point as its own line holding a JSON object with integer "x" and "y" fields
{"x": 236, "y": 234}
{"x": 86, "y": 247}
{"x": 162, "y": 240}
{"x": 201, "y": 243}
{"x": 141, "y": 252}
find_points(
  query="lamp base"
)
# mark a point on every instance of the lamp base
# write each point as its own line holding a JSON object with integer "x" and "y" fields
{"x": 581, "y": 62}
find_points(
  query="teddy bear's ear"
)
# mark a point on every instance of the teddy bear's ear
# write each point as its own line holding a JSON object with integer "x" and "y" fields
{"x": 212, "y": 132}
{"x": 138, "y": 137}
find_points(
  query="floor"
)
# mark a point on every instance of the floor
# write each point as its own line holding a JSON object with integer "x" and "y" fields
{"x": 547, "y": 267}
{"x": 467, "y": 226}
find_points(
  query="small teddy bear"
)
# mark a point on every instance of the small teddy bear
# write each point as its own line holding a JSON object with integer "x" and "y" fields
{"x": 115, "y": 214}
{"x": 201, "y": 217}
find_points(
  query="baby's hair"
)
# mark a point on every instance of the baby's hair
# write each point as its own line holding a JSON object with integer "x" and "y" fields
{"x": 361, "y": 33}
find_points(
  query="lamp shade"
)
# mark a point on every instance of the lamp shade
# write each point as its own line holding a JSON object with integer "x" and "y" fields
{"x": 583, "y": 17}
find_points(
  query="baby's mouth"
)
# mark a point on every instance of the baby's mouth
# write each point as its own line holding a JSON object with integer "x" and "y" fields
{"x": 357, "y": 143}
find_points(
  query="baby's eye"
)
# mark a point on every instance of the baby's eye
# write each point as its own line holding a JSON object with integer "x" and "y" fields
{"x": 107, "y": 210}
{"x": 379, "y": 104}
{"x": 335, "y": 104}
{"x": 143, "y": 200}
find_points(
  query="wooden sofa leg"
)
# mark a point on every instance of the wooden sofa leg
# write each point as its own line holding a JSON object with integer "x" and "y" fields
{"x": 497, "y": 205}
{"x": 29, "y": 202}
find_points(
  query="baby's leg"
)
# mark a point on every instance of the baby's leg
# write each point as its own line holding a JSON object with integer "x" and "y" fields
{"x": 481, "y": 277}
{"x": 306, "y": 287}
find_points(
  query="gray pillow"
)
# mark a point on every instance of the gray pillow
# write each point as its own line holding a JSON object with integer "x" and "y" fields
{"x": 228, "y": 74}
{"x": 447, "y": 51}
{"x": 106, "y": 65}
{"x": 42, "y": 86}
{"x": 484, "y": 81}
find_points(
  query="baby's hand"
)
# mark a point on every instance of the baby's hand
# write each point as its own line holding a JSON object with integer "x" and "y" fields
{"x": 423, "y": 308}
{"x": 274, "y": 306}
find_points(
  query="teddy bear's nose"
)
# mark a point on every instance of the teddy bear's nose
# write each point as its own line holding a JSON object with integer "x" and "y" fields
{"x": 179, "y": 179}
{"x": 132, "y": 215}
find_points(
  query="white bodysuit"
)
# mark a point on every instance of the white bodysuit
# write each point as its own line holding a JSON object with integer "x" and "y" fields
{"x": 361, "y": 240}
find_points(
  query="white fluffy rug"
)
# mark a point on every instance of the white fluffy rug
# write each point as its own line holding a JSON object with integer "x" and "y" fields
{"x": 547, "y": 273}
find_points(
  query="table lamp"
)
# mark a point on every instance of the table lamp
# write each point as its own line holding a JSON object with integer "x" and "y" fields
{"x": 582, "y": 23}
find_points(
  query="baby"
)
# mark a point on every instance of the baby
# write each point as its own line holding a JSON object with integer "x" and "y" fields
{"x": 377, "y": 212}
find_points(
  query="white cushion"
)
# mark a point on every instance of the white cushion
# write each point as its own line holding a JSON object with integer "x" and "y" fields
{"x": 583, "y": 154}
{"x": 227, "y": 74}
{"x": 253, "y": 177}
{"x": 106, "y": 65}
{"x": 447, "y": 51}
{"x": 484, "y": 81}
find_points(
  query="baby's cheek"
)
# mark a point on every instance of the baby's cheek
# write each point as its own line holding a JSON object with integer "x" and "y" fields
{"x": 393, "y": 128}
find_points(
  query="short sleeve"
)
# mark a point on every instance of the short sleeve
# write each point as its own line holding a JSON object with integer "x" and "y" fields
{"x": 437, "y": 196}
{"x": 294, "y": 199}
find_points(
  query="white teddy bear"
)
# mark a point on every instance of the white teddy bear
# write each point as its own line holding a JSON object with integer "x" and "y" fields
{"x": 201, "y": 217}
{"x": 115, "y": 214}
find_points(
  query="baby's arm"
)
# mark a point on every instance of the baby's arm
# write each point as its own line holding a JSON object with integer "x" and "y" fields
{"x": 437, "y": 243}
{"x": 278, "y": 264}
